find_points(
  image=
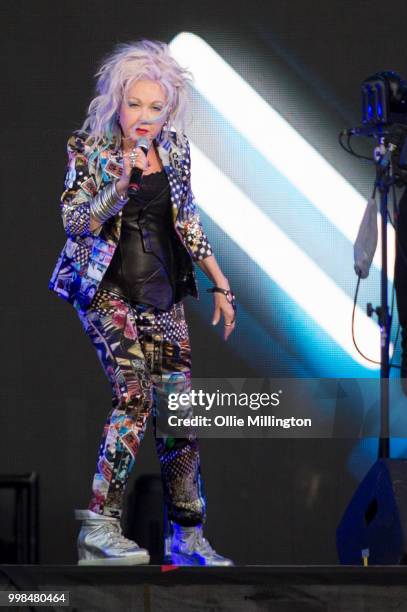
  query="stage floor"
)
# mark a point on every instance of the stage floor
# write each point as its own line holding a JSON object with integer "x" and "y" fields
{"x": 247, "y": 588}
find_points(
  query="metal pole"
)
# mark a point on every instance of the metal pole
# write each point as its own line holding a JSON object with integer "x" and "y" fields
{"x": 384, "y": 321}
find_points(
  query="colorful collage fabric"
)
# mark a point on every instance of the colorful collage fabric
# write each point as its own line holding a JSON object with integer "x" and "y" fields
{"x": 145, "y": 355}
{"x": 86, "y": 254}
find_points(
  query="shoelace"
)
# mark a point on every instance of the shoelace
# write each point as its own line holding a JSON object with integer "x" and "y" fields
{"x": 203, "y": 543}
{"x": 198, "y": 540}
{"x": 116, "y": 537}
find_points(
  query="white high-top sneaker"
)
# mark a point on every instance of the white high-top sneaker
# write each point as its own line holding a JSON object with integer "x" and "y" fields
{"x": 187, "y": 546}
{"x": 101, "y": 542}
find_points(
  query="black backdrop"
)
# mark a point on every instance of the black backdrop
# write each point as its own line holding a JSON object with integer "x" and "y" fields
{"x": 268, "y": 502}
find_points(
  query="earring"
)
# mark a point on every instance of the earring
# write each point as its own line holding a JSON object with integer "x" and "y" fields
{"x": 164, "y": 131}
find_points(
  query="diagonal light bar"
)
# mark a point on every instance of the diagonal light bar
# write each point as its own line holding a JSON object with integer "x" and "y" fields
{"x": 276, "y": 139}
{"x": 281, "y": 259}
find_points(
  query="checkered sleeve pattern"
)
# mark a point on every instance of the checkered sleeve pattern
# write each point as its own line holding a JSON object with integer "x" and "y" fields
{"x": 79, "y": 188}
{"x": 193, "y": 231}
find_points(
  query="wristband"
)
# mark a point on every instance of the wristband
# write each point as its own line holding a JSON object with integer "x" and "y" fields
{"x": 228, "y": 293}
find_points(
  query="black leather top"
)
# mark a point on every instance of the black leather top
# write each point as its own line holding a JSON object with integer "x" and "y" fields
{"x": 143, "y": 267}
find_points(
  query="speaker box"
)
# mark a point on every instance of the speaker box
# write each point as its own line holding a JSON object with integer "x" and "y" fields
{"x": 376, "y": 518}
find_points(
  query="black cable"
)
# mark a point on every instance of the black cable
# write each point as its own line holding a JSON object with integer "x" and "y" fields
{"x": 355, "y": 299}
{"x": 391, "y": 365}
{"x": 353, "y": 152}
{"x": 400, "y": 249}
{"x": 349, "y": 149}
{"x": 340, "y": 137}
{"x": 355, "y": 302}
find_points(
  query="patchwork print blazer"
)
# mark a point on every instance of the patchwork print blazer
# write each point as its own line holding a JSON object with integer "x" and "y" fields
{"x": 87, "y": 254}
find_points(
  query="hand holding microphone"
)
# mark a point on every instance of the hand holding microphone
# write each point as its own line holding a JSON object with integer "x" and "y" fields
{"x": 134, "y": 164}
{"x": 110, "y": 200}
{"x": 139, "y": 163}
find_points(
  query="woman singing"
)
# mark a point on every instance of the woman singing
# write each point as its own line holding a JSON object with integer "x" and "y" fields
{"x": 134, "y": 234}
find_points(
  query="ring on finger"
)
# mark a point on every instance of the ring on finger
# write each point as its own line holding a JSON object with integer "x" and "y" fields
{"x": 133, "y": 157}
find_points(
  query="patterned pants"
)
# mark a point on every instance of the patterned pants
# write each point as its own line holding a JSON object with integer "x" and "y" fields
{"x": 145, "y": 355}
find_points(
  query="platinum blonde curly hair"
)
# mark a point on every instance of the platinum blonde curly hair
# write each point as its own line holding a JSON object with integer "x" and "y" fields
{"x": 130, "y": 62}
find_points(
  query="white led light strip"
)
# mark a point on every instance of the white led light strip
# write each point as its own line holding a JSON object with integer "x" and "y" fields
{"x": 277, "y": 140}
{"x": 281, "y": 259}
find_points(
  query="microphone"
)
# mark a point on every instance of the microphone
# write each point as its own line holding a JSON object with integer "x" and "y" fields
{"x": 135, "y": 177}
